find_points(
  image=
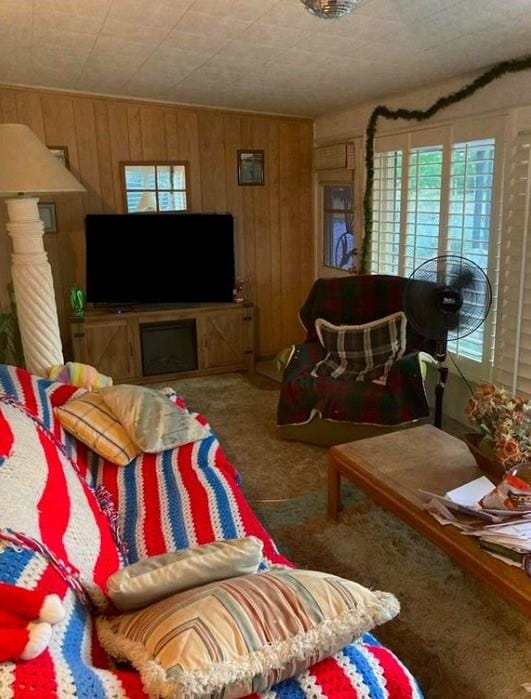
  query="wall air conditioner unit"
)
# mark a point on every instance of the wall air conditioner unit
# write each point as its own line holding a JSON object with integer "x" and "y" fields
{"x": 339, "y": 156}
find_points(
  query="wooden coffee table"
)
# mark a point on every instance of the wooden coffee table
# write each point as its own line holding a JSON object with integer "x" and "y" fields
{"x": 392, "y": 467}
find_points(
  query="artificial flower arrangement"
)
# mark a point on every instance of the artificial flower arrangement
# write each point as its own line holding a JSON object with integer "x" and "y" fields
{"x": 504, "y": 423}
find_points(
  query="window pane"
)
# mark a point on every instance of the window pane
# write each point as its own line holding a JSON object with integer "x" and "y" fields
{"x": 338, "y": 197}
{"x": 140, "y": 177}
{"x": 338, "y": 231}
{"x": 141, "y": 201}
{"x": 172, "y": 201}
{"x": 401, "y": 243}
{"x": 387, "y": 195}
{"x": 423, "y": 207}
{"x": 171, "y": 177}
{"x": 471, "y": 178}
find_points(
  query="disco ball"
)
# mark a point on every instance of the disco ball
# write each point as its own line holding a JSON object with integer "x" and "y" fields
{"x": 330, "y": 9}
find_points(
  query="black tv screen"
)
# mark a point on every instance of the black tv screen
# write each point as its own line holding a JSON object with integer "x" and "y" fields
{"x": 159, "y": 258}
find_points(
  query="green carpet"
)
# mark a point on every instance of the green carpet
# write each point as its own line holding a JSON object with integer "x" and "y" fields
{"x": 458, "y": 638}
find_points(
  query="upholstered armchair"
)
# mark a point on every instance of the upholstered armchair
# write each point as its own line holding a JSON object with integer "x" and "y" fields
{"x": 325, "y": 410}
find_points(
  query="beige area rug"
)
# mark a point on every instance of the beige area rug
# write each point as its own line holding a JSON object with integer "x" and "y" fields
{"x": 458, "y": 638}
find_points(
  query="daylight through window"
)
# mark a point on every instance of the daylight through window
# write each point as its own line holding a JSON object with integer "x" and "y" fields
{"x": 435, "y": 200}
{"x": 155, "y": 187}
{"x": 338, "y": 226}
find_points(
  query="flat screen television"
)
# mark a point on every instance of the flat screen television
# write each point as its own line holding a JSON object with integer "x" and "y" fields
{"x": 159, "y": 258}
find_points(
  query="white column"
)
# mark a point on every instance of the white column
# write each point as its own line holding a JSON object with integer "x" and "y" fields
{"x": 33, "y": 284}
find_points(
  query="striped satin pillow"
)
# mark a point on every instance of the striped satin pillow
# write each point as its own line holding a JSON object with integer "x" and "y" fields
{"x": 233, "y": 638}
{"x": 89, "y": 419}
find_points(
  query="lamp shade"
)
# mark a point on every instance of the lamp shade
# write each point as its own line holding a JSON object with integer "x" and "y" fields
{"x": 28, "y": 167}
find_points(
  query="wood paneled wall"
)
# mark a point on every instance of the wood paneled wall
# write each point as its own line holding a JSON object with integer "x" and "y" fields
{"x": 273, "y": 223}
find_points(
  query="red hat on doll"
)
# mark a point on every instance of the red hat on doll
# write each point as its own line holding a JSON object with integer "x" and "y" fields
{"x": 26, "y": 618}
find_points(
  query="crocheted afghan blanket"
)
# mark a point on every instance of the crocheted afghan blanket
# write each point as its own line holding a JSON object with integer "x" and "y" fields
{"x": 178, "y": 498}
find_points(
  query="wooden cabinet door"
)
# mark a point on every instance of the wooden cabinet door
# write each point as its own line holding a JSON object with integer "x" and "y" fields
{"x": 108, "y": 346}
{"x": 226, "y": 338}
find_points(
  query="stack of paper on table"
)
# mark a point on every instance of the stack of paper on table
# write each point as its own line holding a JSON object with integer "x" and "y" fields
{"x": 504, "y": 534}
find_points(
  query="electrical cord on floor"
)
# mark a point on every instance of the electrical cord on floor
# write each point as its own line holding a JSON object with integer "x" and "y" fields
{"x": 469, "y": 386}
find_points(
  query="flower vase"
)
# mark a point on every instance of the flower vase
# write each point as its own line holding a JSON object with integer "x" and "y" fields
{"x": 484, "y": 455}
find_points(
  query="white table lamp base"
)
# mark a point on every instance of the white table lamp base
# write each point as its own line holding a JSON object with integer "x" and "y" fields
{"x": 33, "y": 285}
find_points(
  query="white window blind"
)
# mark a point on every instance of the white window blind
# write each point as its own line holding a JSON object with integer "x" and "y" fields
{"x": 387, "y": 207}
{"x": 423, "y": 206}
{"x": 470, "y": 223}
{"x": 512, "y": 362}
{"x": 433, "y": 196}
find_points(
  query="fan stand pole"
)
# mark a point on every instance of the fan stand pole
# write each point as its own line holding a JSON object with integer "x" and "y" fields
{"x": 442, "y": 372}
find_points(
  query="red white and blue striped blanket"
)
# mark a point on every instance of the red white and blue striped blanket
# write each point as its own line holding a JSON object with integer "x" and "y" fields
{"x": 168, "y": 501}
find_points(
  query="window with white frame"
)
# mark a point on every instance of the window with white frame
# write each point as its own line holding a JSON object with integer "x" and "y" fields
{"x": 338, "y": 226}
{"x": 160, "y": 186}
{"x": 434, "y": 194}
{"x": 512, "y": 362}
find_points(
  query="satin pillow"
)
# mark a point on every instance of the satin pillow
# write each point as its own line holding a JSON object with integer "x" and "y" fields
{"x": 243, "y": 635}
{"x": 152, "y": 579}
{"x": 89, "y": 419}
{"x": 151, "y": 419}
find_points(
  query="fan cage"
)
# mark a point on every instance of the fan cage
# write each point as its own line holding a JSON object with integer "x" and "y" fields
{"x": 438, "y": 273}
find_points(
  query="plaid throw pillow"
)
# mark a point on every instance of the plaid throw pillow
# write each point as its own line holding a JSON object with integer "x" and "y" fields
{"x": 361, "y": 352}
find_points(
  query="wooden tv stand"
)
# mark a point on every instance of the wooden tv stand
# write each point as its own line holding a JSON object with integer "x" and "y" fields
{"x": 112, "y": 339}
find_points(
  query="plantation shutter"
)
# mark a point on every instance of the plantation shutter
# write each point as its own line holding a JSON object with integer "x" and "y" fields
{"x": 512, "y": 360}
{"x": 387, "y": 205}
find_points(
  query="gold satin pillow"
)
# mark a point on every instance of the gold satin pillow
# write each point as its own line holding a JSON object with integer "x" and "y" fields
{"x": 91, "y": 421}
{"x": 152, "y": 579}
{"x": 233, "y": 638}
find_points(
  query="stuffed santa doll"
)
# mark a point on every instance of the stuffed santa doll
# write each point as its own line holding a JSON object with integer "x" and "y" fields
{"x": 26, "y": 619}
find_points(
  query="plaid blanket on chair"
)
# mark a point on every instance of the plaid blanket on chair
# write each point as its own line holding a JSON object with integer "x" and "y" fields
{"x": 353, "y": 300}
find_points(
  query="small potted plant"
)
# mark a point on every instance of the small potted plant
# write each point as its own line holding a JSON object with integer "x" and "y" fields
{"x": 504, "y": 424}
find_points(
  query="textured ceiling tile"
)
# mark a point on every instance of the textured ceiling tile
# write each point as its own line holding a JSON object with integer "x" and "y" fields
{"x": 247, "y": 10}
{"x": 161, "y": 13}
{"x": 238, "y": 53}
{"x": 14, "y": 73}
{"x": 107, "y": 44}
{"x": 214, "y": 74}
{"x": 333, "y": 45}
{"x": 161, "y": 79}
{"x": 14, "y": 35}
{"x": 15, "y": 9}
{"x": 99, "y": 80}
{"x": 354, "y": 26}
{"x": 66, "y": 39}
{"x": 274, "y": 36}
{"x": 202, "y": 23}
{"x": 59, "y": 58}
{"x": 55, "y": 77}
{"x": 95, "y": 8}
{"x": 207, "y": 43}
{"x": 121, "y": 63}
{"x": 59, "y": 21}
{"x": 256, "y": 54}
{"x": 293, "y": 14}
{"x": 131, "y": 31}
{"x": 166, "y": 59}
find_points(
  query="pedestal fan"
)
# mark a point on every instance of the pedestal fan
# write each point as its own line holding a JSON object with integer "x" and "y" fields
{"x": 446, "y": 298}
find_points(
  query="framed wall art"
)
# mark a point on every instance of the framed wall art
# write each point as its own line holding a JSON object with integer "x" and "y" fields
{"x": 48, "y": 217}
{"x": 61, "y": 153}
{"x": 250, "y": 167}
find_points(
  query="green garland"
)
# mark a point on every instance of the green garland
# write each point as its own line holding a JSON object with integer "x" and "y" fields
{"x": 512, "y": 66}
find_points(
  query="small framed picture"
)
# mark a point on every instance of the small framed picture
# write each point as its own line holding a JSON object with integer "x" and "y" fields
{"x": 48, "y": 217}
{"x": 61, "y": 153}
{"x": 250, "y": 167}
